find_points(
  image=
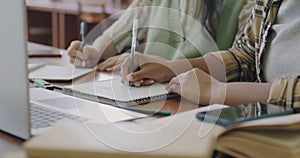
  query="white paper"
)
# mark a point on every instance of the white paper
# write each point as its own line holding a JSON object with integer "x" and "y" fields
{"x": 62, "y": 73}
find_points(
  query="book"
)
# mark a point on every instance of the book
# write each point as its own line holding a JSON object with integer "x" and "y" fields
{"x": 114, "y": 92}
{"x": 268, "y": 137}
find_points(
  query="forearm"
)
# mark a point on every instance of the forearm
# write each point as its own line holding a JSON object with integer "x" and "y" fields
{"x": 245, "y": 92}
{"x": 106, "y": 46}
{"x": 211, "y": 65}
{"x": 208, "y": 63}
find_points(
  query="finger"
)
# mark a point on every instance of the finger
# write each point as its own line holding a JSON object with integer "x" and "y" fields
{"x": 106, "y": 64}
{"x": 77, "y": 54}
{"x": 174, "y": 88}
{"x": 124, "y": 81}
{"x": 139, "y": 75}
{"x": 137, "y": 83}
{"x": 147, "y": 82}
{"x": 175, "y": 80}
{"x": 73, "y": 48}
{"x": 122, "y": 58}
{"x": 75, "y": 44}
{"x": 79, "y": 63}
{"x": 73, "y": 52}
{"x": 124, "y": 70}
{"x": 116, "y": 67}
{"x": 88, "y": 51}
{"x": 72, "y": 60}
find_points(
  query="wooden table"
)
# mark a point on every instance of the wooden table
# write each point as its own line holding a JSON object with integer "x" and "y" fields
{"x": 10, "y": 143}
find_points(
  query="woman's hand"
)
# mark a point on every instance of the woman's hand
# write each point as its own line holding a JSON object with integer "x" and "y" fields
{"x": 113, "y": 63}
{"x": 198, "y": 87}
{"x": 88, "y": 58}
{"x": 149, "y": 70}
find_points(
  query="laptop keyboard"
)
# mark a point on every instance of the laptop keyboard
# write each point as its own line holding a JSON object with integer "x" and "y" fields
{"x": 42, "y": 117}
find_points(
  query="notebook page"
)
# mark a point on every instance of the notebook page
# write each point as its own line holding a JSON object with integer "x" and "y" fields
{"x": 114, "y": 89}
{"x": 51, "y": 72}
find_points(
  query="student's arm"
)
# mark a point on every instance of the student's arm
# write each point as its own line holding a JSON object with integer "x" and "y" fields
{"x": 113, "y": 40}
{"x": 120, "y": 31}
{"x": 201, "y": 88}
{"x": 158, "y": 70}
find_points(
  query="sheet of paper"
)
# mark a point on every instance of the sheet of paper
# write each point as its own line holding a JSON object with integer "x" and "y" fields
{"x": 34, "y": 66}
{"x": 58, "y": 73}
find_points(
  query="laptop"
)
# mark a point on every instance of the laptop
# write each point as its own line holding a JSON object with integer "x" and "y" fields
{"x": 17, "y": 111}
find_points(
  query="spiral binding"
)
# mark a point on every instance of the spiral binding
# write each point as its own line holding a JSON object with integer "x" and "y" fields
{"x": 104, "y": 100}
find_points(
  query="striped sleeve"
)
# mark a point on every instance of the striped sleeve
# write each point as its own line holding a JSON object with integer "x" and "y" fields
{"x": 285, "y": 92}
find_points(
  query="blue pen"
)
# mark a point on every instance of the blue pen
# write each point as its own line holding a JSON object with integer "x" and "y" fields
{"x": 133, "y": 46}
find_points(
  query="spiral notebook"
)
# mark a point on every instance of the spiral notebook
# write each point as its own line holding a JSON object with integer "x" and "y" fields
{"x": 116, "y": 93}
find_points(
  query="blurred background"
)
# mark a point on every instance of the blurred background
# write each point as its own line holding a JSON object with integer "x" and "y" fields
{"x": 57, "y": 22}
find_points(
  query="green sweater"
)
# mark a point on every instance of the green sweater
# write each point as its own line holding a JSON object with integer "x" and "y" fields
{"x": 193, "y": 41}
{"x": 172, "y": 35}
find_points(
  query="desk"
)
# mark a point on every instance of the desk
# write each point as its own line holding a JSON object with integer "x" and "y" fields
{"x": 10, "y": 144}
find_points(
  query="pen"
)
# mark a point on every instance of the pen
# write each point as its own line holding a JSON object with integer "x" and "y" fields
{"x": 147, "y": 111}
{"x": 44, "y": 84}
{"x": 83, "y": 32}
{"x": 133, "y": 46}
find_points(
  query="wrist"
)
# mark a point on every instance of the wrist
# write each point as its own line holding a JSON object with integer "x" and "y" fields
{"x": 218, "y": 93}
{"x": 105, "y": 46}
{"x": 179, "y": 66}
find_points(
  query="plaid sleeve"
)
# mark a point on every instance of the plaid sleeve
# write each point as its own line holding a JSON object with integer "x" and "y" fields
{"x": 239, "y": 61}
{"x": 285, "y": 92}
{"x": 239, "y": 65}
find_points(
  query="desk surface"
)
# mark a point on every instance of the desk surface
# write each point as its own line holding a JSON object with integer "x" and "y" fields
{"x": 10, "y": 144}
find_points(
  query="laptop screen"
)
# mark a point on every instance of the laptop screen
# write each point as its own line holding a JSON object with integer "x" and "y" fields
{"x": 14, "y": 97}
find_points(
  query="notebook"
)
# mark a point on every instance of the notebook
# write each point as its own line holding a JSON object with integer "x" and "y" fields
{"x": 58, "y": 73}
{"x": 116, "y": 93}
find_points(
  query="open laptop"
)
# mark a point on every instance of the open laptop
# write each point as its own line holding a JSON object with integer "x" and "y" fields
{"x": 15, "y": 105}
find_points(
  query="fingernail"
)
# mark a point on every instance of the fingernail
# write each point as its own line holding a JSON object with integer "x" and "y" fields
{"x": 108, "y": 69}
{"x": 128, "y": 77}
{"x": 137, "y": 84}
{"x": 168, "y": 89}
{"x": 151, "y": 81}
